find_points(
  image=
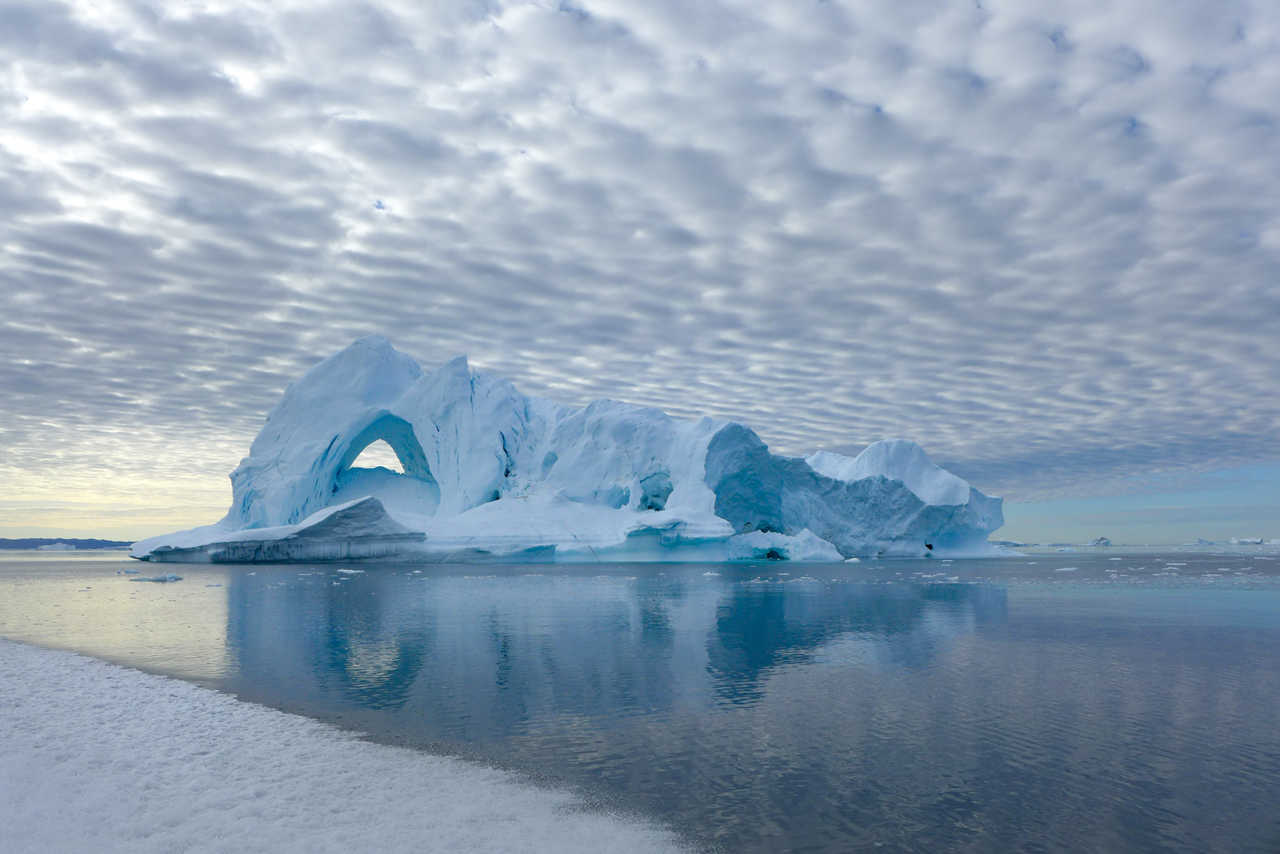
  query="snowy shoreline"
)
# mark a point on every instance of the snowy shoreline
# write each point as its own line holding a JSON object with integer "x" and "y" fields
{"x": 98, "y": 757}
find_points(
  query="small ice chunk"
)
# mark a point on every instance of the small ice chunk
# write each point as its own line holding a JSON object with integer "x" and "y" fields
{"x": 350, "y": 571}
{"x": 1066, "y": 569}
{"x": 159, "y": 579}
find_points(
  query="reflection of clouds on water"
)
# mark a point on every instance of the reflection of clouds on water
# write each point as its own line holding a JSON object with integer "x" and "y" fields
{"x": 87, "y": 604}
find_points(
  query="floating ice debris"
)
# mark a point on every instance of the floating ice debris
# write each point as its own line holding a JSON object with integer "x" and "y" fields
{"x": 351, "y": 571}
{"x": 1115, "y": 558}
{"x": 159, "y": 579}
{"x": 852, "y": 560}
{"x": 710, "y": 574}
{"x": 1067, "y": 569}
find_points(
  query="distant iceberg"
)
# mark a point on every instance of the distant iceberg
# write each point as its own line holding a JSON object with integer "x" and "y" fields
{"x": 490, "y": 473}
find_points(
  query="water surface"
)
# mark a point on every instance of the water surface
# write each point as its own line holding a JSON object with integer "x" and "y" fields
{"x": 1061, "y": 701}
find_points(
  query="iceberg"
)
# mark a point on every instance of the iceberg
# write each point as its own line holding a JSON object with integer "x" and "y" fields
{"x": 491, "y": 473}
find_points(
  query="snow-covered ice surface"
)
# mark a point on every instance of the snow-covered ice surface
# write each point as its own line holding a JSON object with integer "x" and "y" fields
{"x": 100, "y": 758}
{"x": 490, "y": 472}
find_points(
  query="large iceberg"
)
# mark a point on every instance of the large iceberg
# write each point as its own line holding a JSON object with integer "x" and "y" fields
{"x": 489, "y": 472}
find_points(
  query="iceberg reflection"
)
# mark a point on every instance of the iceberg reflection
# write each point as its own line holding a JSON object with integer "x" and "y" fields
{"x": 476, "y": 658}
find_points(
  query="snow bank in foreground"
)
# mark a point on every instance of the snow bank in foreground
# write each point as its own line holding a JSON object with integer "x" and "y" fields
{"x": 100, "y": 758}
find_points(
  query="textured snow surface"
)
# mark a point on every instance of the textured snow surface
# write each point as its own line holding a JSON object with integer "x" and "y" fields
{"x": 488, "y": 471}
{"x": 99, "y": 758}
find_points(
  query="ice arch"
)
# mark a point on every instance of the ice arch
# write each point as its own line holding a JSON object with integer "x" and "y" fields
{"x": 416, "y": 489}
{"x": 399, "y": 435}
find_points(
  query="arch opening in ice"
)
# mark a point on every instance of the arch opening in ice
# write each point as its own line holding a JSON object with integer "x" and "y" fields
{"x": 412, "y": 487}
{"x": 378, "y": 454}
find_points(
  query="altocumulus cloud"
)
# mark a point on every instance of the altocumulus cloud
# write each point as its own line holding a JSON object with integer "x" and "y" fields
{"x": 1041, "y": 238}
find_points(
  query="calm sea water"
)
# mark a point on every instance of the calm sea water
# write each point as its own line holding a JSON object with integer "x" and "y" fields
{"x": 1091, "y": 701}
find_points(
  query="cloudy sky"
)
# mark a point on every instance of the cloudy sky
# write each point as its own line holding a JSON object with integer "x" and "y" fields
{"x": 1040, "y": 238}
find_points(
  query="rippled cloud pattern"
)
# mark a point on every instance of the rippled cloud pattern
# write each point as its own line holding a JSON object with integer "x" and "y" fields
{"x": 1041, "y": 239}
